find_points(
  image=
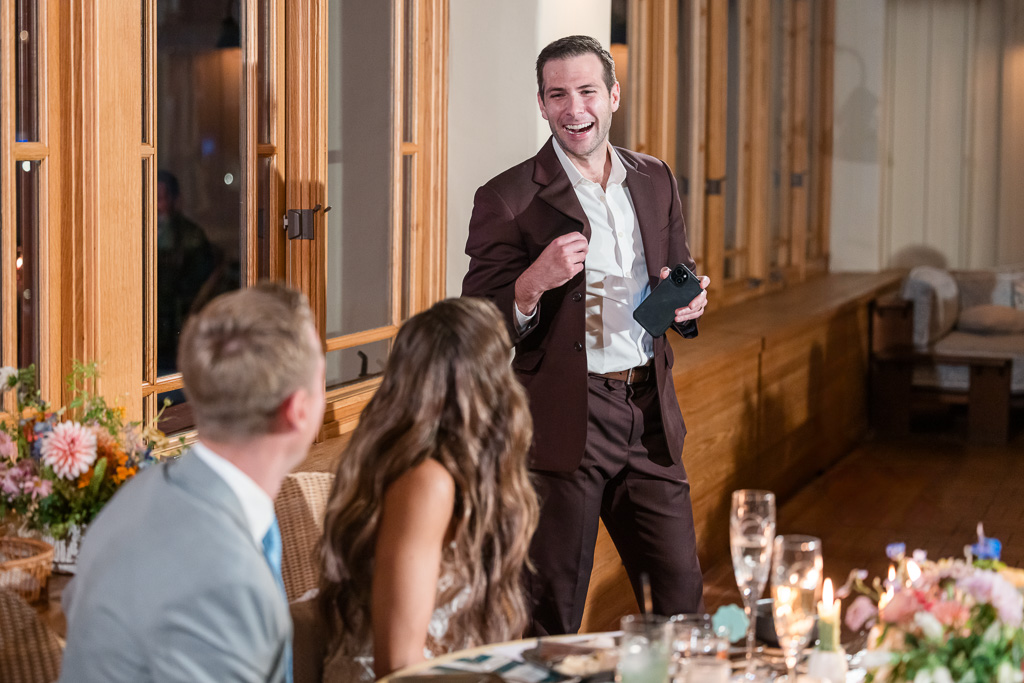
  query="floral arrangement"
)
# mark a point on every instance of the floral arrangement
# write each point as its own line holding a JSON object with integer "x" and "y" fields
{"x": 58, "y": 468}
{"x": 945, "y": 621}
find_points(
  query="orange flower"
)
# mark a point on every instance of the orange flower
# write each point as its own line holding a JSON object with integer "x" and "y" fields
{"x": 86, "y": 477}
{"x": 29, "y": 413}
{"x": 124, "y": 473}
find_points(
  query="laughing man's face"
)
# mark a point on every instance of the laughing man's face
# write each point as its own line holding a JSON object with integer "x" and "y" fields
{"x": 577, "y": 104}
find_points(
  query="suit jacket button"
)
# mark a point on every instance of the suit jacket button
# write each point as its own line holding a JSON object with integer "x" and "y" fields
{"x": 578, "y": 346}
{"x": 576, "y": 296}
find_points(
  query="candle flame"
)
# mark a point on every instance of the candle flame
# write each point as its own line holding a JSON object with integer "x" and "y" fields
{"x": 827, "y": 594}
{"x": 913, "y": 571}
{"x": 892, "y": 573}
{"x": 886, "y": 598}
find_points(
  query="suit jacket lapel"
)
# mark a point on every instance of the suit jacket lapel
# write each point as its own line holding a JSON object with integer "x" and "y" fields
{"x": 556, "y": 189}
{"x": 645, "y": 203}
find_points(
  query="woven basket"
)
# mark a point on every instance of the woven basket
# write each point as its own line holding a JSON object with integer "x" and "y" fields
{"x": 25, "y": 565}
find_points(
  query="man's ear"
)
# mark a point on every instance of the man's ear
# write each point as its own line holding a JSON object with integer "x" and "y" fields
{"x": 540, "y": 103}
{"x": 292, "y": 413}
{"x": 616, "y": 94}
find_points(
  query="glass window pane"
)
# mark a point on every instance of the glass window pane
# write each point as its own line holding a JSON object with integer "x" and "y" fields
{"x": 356, "y": 364}
{"x": 409, "y": 72}
{"x": 732, "y": 141}
{"x": 145, "y": 70}
{"x": 408, "y": 205}
{"x": 147, "y": 243}
{"x": 27, "y": 261}
{"x": 199, "y": 188}
{"x": 684, "y": 115}
{"x": 176, "y": 416}
{"x": 26, "y": 60}
{"x": 359, "y": 167}
{"x": 264, "y": 70}
{"x": 618, "y": 134}
{"x": 779, "y": 166}
{"x": 264, "y": 189}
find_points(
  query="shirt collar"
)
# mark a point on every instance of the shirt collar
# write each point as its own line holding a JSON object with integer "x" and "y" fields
{"x": 257, "y": 506}
{"x": 616, "y": 177}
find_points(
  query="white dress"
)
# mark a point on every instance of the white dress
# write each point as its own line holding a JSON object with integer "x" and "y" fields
{"x": 344, "y": 667}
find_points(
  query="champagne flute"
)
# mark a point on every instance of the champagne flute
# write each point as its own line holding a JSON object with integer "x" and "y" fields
{"x": 751, "y": 531}
{"x": 796, "y": 585}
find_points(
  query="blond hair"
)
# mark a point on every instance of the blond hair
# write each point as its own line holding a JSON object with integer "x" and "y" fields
{"x": 449, "y": 394}
{"x": 242, "y": 355}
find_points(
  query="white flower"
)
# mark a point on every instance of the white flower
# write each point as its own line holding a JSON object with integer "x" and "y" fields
{"x": 1007, "y": 674}
{"x": 70, "y": 449}
{"x": 941, "y": 674}
{"x": 875, "y": 659}
{"x": 923, "y": 676}
{"x": 929, "y": 625}
{"x": 6, "y": 373}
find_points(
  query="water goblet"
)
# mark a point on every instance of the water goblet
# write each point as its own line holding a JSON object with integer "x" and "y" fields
{"x": 751, "y": 532}
{"x": 645, "y": 649}
{"x": 796, "y": 586}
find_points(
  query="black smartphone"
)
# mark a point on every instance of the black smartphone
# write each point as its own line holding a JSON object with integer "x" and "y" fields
{"x": 657, "y": 312}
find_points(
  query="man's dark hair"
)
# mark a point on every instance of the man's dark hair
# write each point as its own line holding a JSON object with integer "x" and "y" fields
{"x": 575, "y": 46}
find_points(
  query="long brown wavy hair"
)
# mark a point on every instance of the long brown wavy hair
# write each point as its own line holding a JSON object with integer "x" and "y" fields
{"x": 448, "y": 393}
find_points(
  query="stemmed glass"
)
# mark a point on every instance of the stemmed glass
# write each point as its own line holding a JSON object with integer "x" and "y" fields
{"x": 751, "y": 531}
{"x": 796, "y": 585}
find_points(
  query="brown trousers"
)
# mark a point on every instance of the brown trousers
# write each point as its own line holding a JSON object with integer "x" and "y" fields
{"x": 629, "y": 480}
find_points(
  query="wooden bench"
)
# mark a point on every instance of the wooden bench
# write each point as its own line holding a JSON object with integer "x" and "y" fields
{"x": 894, "y": 395}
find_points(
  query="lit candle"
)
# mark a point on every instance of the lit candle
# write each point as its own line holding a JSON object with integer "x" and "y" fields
{"x": 828, "y": 619}
{"x": 913, "y": 572}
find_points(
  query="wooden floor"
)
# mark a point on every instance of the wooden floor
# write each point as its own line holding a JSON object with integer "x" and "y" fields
{"x": 929, "y": 491}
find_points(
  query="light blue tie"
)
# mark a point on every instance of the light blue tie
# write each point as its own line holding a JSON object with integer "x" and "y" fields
{"x": 272, "y": 552}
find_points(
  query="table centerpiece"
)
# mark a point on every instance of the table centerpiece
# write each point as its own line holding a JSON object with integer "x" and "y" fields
{"x": 59, "y": 467}
{"x": 946, "y": 621}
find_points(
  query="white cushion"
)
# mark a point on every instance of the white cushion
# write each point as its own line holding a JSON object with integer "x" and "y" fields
{"x": 936, "y": 300}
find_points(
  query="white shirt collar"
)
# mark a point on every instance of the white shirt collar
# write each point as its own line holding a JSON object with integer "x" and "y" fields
{"x": 616, "y": 177}
{"x": 257, "y": 506}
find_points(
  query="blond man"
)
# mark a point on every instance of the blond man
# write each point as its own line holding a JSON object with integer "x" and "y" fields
{"x": 179, "y": 576}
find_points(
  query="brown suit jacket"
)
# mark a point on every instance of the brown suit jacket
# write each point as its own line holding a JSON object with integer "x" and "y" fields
{"x": 515, "y": 216}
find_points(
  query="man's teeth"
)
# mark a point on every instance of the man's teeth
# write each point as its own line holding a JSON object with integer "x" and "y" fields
{"x": 577, "y": 127}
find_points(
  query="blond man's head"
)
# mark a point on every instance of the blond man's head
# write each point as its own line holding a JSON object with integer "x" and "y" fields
{"x": 243, "y": 355}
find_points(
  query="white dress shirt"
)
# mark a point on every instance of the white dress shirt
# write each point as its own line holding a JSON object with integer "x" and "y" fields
{"x": 256, "y": 504}
{"x": 616, "y": 272}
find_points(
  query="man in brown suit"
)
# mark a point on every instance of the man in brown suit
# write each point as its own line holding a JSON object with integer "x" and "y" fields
{"x": 567, "y": 244}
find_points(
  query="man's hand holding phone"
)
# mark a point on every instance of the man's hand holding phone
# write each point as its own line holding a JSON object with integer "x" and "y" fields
{"x": 695, "y": 308}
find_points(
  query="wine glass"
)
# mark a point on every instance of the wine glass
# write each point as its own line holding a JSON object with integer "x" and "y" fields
{"x": 796, "y": 585}
{"x": 751, "y": 531}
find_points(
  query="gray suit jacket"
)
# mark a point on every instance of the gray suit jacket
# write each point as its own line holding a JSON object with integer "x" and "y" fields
{"x": 171, "y": 586}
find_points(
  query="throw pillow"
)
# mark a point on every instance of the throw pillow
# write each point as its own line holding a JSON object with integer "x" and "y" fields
{"x": 1018, "y": 294}
{"x": 991, "y": 319}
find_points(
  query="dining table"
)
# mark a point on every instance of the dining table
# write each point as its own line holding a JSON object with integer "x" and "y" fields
{"x": 504, "y": 661}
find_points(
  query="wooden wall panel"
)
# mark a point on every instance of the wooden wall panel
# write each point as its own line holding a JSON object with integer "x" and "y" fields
{"x": 773, "y": 391}
{"x": 908, "y": 95}
{"x": 946, "y": 145}
{"x": 1011, "y": 207}
{"x": 982, "y": 194}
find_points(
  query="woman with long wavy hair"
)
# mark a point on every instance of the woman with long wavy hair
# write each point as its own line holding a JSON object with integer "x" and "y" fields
{"x": 429, "y": 523}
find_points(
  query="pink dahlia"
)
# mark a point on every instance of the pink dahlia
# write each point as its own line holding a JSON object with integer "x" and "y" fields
{"x": 70, "y": 449}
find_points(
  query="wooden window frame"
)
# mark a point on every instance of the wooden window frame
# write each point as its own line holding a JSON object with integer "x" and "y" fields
{"x": 807, "y": 131}
{"x": 92, "y": 247}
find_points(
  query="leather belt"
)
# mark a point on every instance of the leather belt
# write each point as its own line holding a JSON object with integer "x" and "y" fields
{"x": 637, "y": 375}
